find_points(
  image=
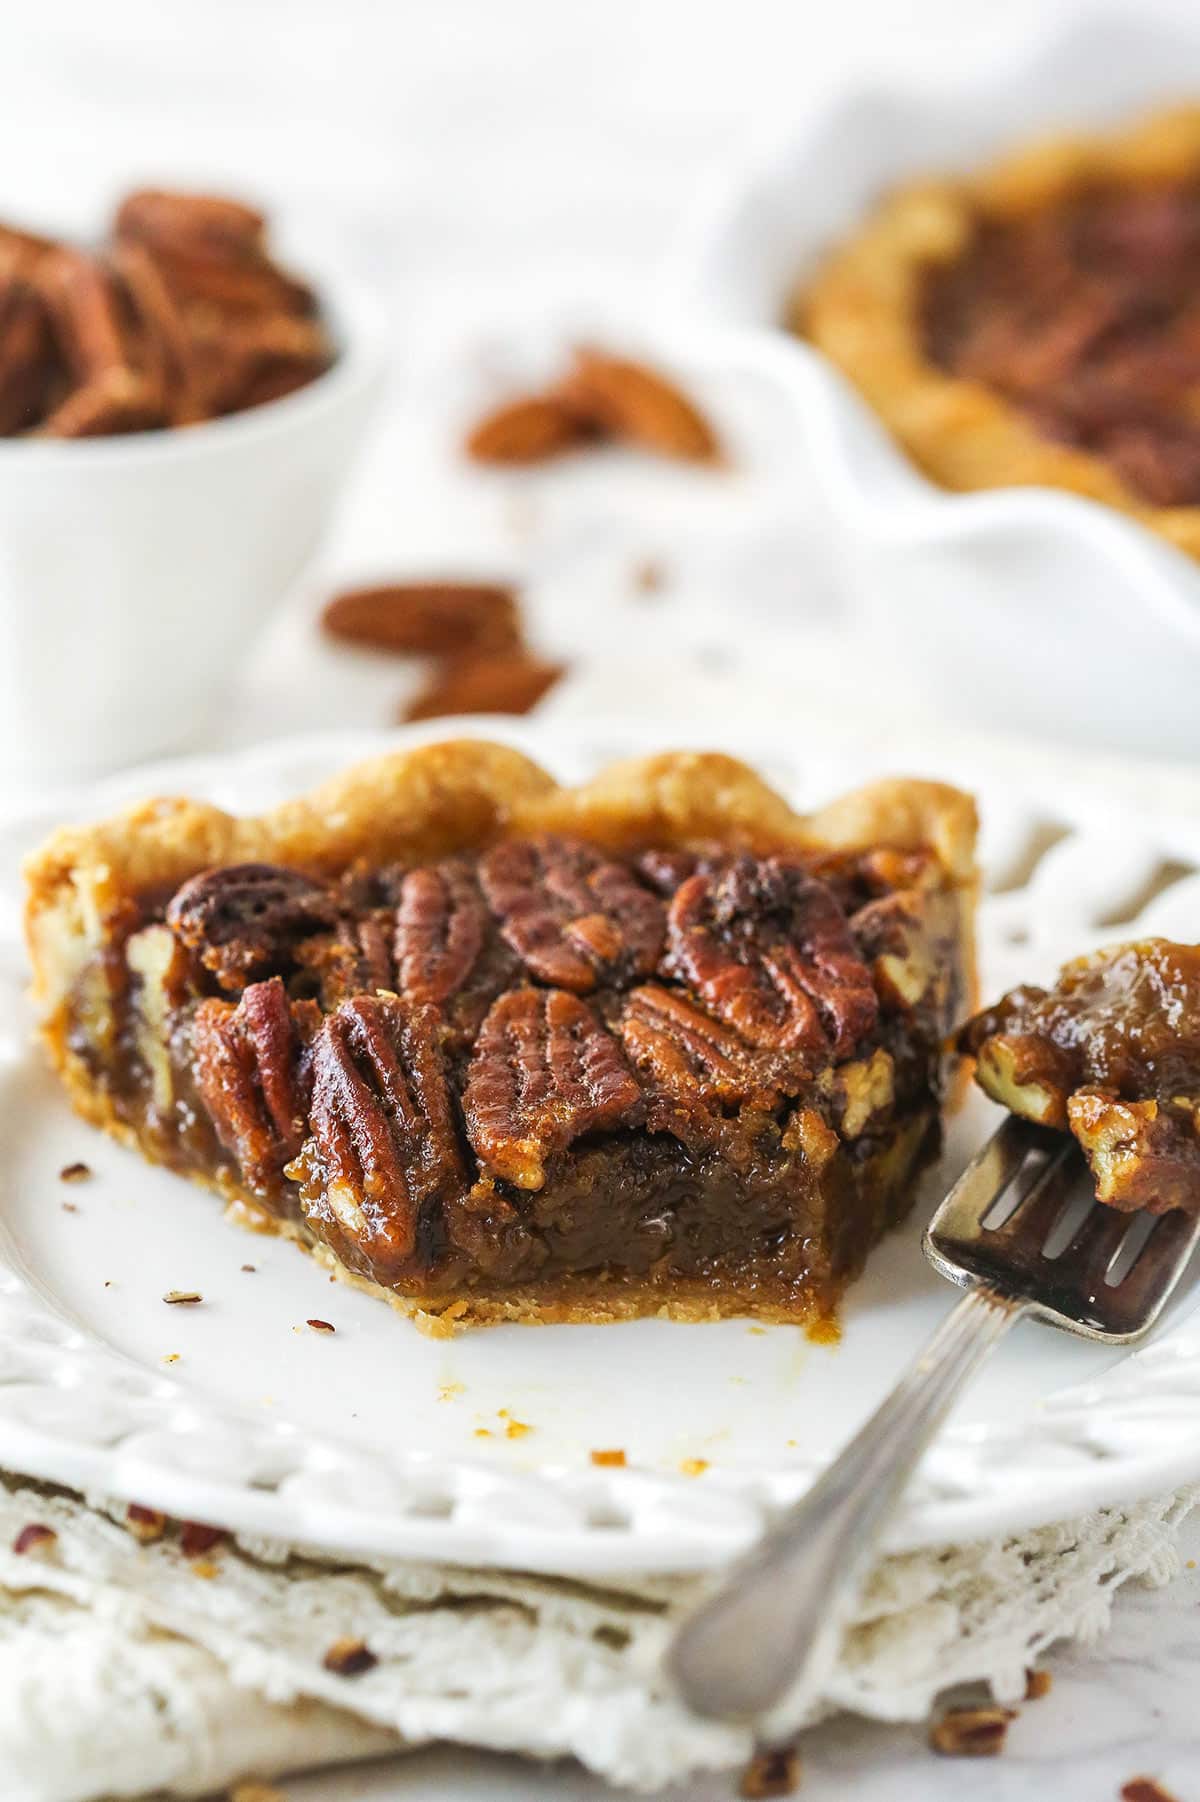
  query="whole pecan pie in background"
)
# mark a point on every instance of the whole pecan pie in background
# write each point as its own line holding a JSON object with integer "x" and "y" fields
{"x": 1037, "y": 323}
{"x": 509, "y": 1051}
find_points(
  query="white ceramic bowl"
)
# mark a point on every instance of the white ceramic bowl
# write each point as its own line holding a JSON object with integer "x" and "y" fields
{"x": 1017, "y": 609}
{"x": 134, "y": 571}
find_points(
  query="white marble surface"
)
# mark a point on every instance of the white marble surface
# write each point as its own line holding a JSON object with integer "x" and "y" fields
{"x": 465, "y": 157}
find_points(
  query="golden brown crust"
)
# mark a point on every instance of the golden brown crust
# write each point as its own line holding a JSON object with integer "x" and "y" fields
{"x": 862, "y": 311}
{"x": 424, "y": 803}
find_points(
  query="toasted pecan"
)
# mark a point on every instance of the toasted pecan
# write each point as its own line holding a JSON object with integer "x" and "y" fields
{"x": 426, "y": 618}
{"x": 497, "y": 682}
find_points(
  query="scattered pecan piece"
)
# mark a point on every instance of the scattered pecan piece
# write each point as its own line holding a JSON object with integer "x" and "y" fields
{"x": 252, "y": 1078}
{"x": 772, "y": 1772}
{"x": 75, "y": 1173}
{"x": 36, "y": 1539}
{"x": 1038, "y": 1683}
{"x": 320, "y": 1326}
{"x": 1145, "y": 1789}
{"x": 182, "y": 1297}
{"x": 629, "y": 401}
{"x": 575, "y": 917}
{"x": 971, "y": 1732}
{"x": 349, "y": 1658}
{"x": 146, "y": 1524}
{"x": 426, "y": 619}
{"x": 440, "y": 927}
{"x": 383, "y": 1142}
{"x": 195, "y": 1538}
{"x": 245, "y": 921}
{"x": 769, "y": 951}
{"x": 496, "y": 682}
{"x": 530, "y": 429}
{"x": 544, "y": 1072}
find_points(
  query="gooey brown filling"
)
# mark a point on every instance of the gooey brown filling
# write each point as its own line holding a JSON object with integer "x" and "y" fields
{"x": 700, "y": 1070}
{"x": 1086, "y": 315}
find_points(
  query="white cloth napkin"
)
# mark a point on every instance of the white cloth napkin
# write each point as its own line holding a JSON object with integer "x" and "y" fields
{"x": 128, "y": 1669}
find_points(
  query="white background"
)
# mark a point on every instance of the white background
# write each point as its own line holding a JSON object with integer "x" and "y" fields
{"x": 457, "y": 153}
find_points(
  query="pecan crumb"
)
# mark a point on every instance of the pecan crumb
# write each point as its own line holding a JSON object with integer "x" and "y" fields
{"x": 1037, "y": 1685}
{"x": 195, "y": 1538}
{"x": 75, "y": 1173}
{"x": 68, "y": 1207}
{"x": 1145, "y": 1789}
{"x": 35, "y": 1538}
{"x": 250, "y": 1267}
{"x": 614, "y": 1458}
{"x": 146, "y": 1524}
{"x": 971, "y": 1732}
{"x": 320, "y": 1326}
{"x": 694, "y": 1467}
{"x": 167, "y": 1357}
{"x": 349, "y": 1658}
{"x": 185, "y": 1297}
{"x": 775, "y": 1771}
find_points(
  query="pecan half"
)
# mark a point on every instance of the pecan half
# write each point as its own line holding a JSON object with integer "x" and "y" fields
{"x": 163, "y": 346}
{"x": 489, "y": 682}
{"x": 27, "y": 361}
{"x": 383, "y": 1143}
{"x": 190, "y": 221}
{"x": 426, "y": 619}
{"x": 244, "y": 921}
{"x": 528, "y": 430}
{"x": 686, "y": 1054}
{"x": 544, "y": 1072}
{"x": 440, "y": 927}
{"x": 252, "y": 1077}
{"x": 354, "y": 960}
{"x": 630, "y": 401}
{"x": 571, "y": 914}
{"x": 118, "y": 401}
{"x": 769, "y": 951}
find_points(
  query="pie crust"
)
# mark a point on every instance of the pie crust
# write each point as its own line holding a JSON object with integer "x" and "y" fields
{"x": 108, "y": 994}
{"x": 863, "y": 309}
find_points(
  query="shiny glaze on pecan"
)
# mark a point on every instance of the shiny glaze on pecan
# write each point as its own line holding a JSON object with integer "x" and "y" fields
{"x": 1112, "y": 1055}
{"x": 544, "y": 1072}
{"x": 574, "y": 917}
{"x": 768, "y": 949}
{"x": 253, "y": 1077}
{"x": 440, "y": 926}
{"x": 687, "y": 1055}
{"x": 246, "y": 920}
{"x": 383, "y": 1146}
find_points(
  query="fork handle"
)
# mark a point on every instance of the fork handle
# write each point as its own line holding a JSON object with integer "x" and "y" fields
{"x": 759, "y": 1648}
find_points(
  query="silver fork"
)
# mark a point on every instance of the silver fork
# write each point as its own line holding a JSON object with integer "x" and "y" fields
{"x": 1009, "y": 1232}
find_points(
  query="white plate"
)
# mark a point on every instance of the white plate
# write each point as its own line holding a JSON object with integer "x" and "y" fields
{"x": 959, "y": 587}
{"x": 378, "y": 1440}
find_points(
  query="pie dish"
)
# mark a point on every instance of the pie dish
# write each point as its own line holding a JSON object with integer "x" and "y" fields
{"x": 1111, "y": 1054}
{"x": 503, "y": 1050}
{"x": 1036, "y": 323}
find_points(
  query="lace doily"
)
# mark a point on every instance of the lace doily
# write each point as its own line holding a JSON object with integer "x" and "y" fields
{"x": 127, "y": 1668}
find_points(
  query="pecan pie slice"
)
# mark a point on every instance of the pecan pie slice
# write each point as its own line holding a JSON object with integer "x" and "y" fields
{"x": 1037, "y": 323}
{"x": 1112, "y": 1055}
{"x": 507, "y": 1051}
